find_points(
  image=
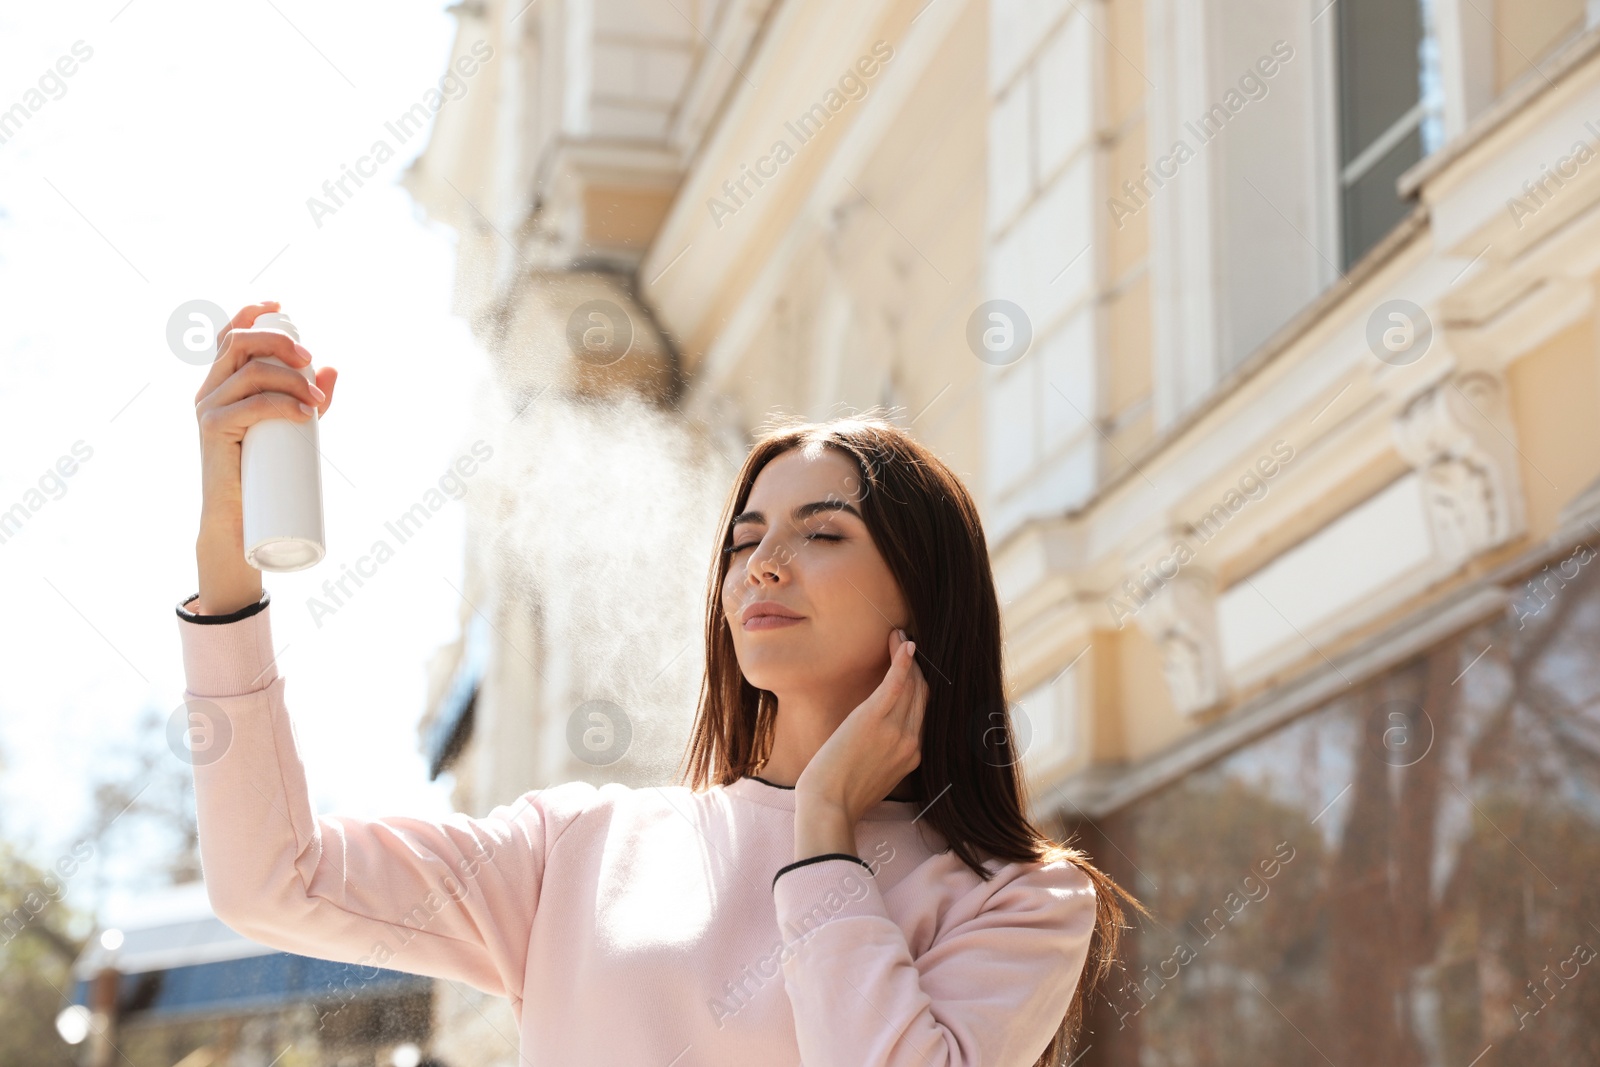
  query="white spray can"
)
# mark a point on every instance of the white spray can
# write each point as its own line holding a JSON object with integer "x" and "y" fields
{"x": 281, "y": 480}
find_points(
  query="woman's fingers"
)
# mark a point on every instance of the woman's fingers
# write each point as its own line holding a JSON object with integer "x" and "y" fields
{"x": 901, "y": 697}
{"x": 893, "y": 687}
{"x": 919, "y": 703}
{"x": 223, "y": 365}
{"x": 326, "y": 377}
{"x": 243, "y": 388}
{"x": 230, "y": 421}
{"x": 914, "y": 700}
{"x": 887, "y": 697}
{"x": 248, "y": 343}
{"x": 245, "y": 317}
{"x": 258, "y": 377}
{"x": 904, "y": 709}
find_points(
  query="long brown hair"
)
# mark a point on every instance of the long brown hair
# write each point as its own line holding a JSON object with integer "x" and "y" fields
{"x": 926, "y": 525}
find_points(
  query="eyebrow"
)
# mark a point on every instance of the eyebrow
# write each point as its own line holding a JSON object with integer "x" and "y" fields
{"x": 804, "y": 511}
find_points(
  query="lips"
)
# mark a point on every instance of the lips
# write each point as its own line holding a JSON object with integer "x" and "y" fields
{"x": 770, "y": 622}
{"x": 768, "y": 609}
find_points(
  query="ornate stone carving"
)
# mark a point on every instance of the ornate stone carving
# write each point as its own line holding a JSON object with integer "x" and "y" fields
{"x": 1181, "y": 618}
{"x": 1458, "y": 436}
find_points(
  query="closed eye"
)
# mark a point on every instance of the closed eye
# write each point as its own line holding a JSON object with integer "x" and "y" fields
{"x": 732, "y": 549}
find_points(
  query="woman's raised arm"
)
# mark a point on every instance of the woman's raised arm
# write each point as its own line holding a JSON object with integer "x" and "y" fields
{"x": 453, "y": 898}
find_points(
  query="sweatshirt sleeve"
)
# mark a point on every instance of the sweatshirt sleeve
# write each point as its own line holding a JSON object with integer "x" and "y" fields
{"x": 991, "y": 989}
{"x": 453, "y": 898}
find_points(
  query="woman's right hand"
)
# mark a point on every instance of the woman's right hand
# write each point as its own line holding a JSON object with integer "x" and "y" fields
{"x": 239, "y": 391}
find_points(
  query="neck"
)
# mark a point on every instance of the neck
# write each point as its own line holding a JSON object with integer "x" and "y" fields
{"x": 800, "y": 727}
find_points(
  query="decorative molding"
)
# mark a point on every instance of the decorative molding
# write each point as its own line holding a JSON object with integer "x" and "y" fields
{"x": 1099, "y": 790}
{"x": 1181, "y": 618}
{"x": 1458, "y": 436}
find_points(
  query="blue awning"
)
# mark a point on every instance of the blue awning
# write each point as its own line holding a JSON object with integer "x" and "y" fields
{"x": 255, "y": 983}
{"x": 174, "y": 956}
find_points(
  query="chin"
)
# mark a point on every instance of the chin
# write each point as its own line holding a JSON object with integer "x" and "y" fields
{"x": 770, "y": 668}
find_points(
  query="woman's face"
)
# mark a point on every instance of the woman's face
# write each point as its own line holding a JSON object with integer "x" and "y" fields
{"x": 801, "y": 544}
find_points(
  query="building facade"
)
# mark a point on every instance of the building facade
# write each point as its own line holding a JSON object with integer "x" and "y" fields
{"x": 1265, "y": 335}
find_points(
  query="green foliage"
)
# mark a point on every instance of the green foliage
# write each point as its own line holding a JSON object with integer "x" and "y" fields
{"x": 36, "y": 954}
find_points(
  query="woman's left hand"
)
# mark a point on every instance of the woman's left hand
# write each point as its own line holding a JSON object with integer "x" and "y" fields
{"x": 876, "y": 746}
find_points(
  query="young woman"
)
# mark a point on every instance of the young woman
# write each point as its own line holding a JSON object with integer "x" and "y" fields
{"x": 847, "y": 875}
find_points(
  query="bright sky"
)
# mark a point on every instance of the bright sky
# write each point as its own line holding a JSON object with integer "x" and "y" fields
{"x": 174, "y": 165}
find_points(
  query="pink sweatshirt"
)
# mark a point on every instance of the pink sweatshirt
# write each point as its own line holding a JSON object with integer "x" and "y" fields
{"x": 643, "y": 927}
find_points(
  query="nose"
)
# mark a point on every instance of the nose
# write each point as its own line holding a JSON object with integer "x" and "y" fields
{"x": 767, "y": 564}
{"x": 767, "y": 561}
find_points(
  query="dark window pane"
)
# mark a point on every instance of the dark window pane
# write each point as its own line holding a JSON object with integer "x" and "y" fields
{"x": 1403, "y": 876}
{"x": 1378, "y": 68}
{"x": 1371, "y": 204}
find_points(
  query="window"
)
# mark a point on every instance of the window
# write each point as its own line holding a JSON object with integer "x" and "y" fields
{"x": 1391, "y": 110}
{"x": 1403, "y": 875}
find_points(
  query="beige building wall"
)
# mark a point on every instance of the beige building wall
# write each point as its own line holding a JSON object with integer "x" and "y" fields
{"x": 1212, "y": 498}
{"x": 1192, "y": 341}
